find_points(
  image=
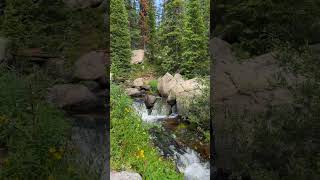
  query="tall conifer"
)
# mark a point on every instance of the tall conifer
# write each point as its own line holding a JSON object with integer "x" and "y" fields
{"x": 120, "y": 38}
{"x": 195, "y": 41}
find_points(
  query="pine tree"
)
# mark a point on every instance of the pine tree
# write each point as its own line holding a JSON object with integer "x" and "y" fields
{"x": 144, "y": 9}
{"x": 172, "y": 34}
{"x": 195, "y": 41}
{"x": 120, "y": 38}
{"x": 134, "y": 24}
{"x": 151, "y": 45}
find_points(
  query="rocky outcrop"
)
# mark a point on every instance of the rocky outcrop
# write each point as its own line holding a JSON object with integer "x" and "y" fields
{"x": 248, "y": 87}
{"x": 179, "y": 91}
{"x": 124, "y": 175}
{"x": 86, "y": 92}
{"x": 137, "y": 56}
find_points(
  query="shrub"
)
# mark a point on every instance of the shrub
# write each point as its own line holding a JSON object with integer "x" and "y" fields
{"x": 34, "y": 132}
{"x": 154, "y": 85}
{"x": 131, "y": 147}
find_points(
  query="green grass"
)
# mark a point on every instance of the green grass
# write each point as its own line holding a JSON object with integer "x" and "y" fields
{"x": 154, "y": 85}
{"x": 35, "y": 133}
{"x": 131, "y": 147}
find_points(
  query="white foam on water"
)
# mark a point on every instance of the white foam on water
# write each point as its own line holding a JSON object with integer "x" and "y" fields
{"x": 189, "y": 162}
{"x": 158, "y": 112}
{"x": 191, "y": 166}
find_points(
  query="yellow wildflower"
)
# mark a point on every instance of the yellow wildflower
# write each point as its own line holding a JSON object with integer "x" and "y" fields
{"x": 57, "y": 155}
{"x": 127, "y": 110}
{"x": 140, "y": 154}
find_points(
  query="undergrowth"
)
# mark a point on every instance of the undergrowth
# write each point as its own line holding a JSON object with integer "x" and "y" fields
{"x": 131, "y": 147}
{"x": 34, "y": 133}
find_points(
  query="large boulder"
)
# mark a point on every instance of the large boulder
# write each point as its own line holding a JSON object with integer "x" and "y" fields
{"x": 124, "y": 175}
{"x": 137, "y": 56}
{"x": 249, "y": 87}
{"x": 90, "y": 66}
{"x": 73, "y": 97}
{"x": 165, "y": 84}
{"x": 179, "y": 91}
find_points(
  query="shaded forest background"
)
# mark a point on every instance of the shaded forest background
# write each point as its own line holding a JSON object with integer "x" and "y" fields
{"x": 283, "y": 142}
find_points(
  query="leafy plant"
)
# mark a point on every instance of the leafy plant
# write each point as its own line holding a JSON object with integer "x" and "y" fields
{"x": 131, "y": 147}
{"x": 154, "y": 85}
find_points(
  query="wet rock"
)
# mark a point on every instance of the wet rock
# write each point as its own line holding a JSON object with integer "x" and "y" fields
{"x": 124, "y": 175}
{"x": 133, "y": 92}
{"x": 137, "y": 56}
{"x": 90, "y": 66}
{"x": 149, "y": 101}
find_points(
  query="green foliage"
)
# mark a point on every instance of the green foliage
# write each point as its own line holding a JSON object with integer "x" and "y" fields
{"x": 120, "y": 39}
{"x": 254, "y": 24}
{"x": 53, "y": 27}
{"x": 281, "y": 144}
{"x": 131, "y": 147}
{"x": 195, "y": 39}
{"x": 134, "y": 24}
{"x": 198, "y": 111}
{"x": 154, "y": 85}
{"x": 172, "y": 35}
{"x": 151, "y": 44}
{"x": 34, "y": 132}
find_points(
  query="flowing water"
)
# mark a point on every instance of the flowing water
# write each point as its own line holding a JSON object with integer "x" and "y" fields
{"x": 188, "y": 161}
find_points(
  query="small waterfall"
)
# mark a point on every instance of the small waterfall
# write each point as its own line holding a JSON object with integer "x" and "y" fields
{"x": 190, "y": 164}
{"x": 159, "y": 112}
{"x": 187, "y": 160}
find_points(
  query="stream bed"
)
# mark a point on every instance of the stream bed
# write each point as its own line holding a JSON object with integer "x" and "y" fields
{"x": 175, "y": 139}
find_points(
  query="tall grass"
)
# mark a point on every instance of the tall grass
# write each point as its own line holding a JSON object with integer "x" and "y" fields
{"x": 131, "y": 147}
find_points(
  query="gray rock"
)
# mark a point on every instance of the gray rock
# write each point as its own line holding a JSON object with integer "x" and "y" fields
{"x": 146, "y": 87}
{"x": 133, "y": 92}
{"x": 124, "y": 175}
{"x": 165, "y": 84}
{"x": 138, "y": 82}
{"x": 73, "y": 97}
{"x": 149, "y": 100}
{"x": 137, "y": 56}
{"x": 90, "y": 66}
